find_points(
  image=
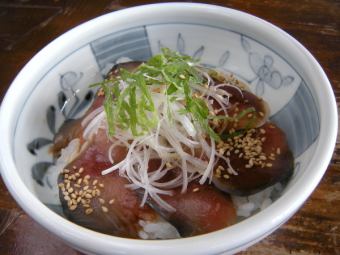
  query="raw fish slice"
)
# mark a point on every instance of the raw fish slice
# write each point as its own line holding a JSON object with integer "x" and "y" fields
{"x": 202, "y": 209}
{"x": 277, "y": 167}
{"x": 102, "y": 203}
{"x": 245, "y": 110}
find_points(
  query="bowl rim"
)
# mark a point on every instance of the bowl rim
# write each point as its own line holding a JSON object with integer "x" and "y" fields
{"x": 260, "y": 224}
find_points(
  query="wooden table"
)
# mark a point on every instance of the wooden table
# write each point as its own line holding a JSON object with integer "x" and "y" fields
{"x": 26, "y": 26}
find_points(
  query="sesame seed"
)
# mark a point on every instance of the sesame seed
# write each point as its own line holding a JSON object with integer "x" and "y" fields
{"x": 269, "y": 165}
{"x": 67, "y": 198}
{"x": 195, "y": 190}
{"x": 70, "y": 190}
{"x": 111, "y": 201}
{"x": 66, "y": 171}
{"x": 261, "y": 114}
{"x": 102, "y": 201}
{"x": 226, "y": 176}
{"x": 278, "y": 151}
{"x": 74, "y": 167}
{"x": 220, "y": 144}
{"x": 94, "y": 182}
{"x": 81, "y": 170}
{"x": 77, "y": 185}
{"x": 104, "y": 209}
{"x": 88, "y": 196}
{"x": 221, "y": 151}
{"x": 87, "y": 176}
{"x": 73, "y": 207}
{"x": 73, "y": 195}
{"x": 88, "y": 211}
{"x": 101, "y": 185}
{"x": 66, "y": 176}
{"x": 86, "y": 187}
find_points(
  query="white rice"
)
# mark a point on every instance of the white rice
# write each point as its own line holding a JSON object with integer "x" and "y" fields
{"x": 68, "y": 154}
{"x": 247, "y": 206}
{"x": 159, "y": 229}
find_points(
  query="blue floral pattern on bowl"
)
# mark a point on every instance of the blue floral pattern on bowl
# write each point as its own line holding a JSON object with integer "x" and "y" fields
{"x": 69, "y": 105}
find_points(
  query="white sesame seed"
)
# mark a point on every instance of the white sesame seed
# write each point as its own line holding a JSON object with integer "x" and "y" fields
{"x": 88, "y": 196}
{"x": 88, "y": 211}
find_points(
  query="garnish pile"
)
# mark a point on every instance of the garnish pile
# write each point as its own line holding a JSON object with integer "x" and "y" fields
{"x": 164, "y": 110}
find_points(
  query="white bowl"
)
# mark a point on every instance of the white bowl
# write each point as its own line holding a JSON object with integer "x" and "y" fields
{"x": 275, "y": 64}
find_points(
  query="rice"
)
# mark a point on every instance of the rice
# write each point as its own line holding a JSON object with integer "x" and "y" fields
{"x": 68, "y": 154}
{"x": 158, "y": 229}
{"x": 247, "y": 206}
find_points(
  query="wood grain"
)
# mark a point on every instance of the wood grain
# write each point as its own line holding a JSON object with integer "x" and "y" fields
{"x": 26, "y": 26}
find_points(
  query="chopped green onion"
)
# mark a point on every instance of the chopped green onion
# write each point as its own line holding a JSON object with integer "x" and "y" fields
{"x": 131, "y": 107}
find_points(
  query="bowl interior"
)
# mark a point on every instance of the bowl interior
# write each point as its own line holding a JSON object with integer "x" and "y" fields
{"x": 271, "y": 76}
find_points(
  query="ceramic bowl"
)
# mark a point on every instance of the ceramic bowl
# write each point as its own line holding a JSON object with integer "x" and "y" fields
{"x": 277, "y": 67}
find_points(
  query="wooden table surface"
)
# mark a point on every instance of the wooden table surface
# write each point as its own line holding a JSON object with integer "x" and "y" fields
{"x": 28, "y": 25}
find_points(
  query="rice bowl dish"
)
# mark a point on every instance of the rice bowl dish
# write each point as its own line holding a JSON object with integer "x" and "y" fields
{"x": 272, "y": 65}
